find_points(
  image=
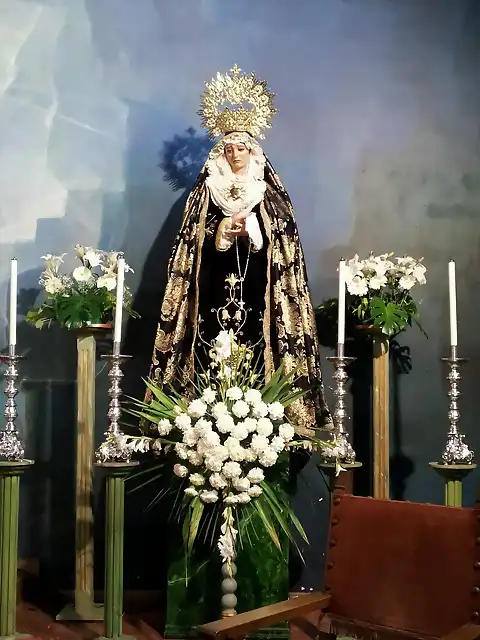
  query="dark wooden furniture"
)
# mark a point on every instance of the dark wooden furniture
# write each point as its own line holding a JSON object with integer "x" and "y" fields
{"x": 401, "y": 569}
{"x": 251, "y": 621}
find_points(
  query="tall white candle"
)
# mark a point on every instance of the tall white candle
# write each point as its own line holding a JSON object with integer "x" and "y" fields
{"x": 12, "y": 339}
{"x": 341, "y": 302}
{"x": 117, "y": 335}
{"x": 452, "y": 293}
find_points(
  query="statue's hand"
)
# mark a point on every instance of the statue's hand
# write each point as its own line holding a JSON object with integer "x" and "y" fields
{"x": 237, "y": 229}
{"x": 238, "y": 218}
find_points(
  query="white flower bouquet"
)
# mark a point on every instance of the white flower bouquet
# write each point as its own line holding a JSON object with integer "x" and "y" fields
{"x": 223, "y": 443}
{"x": 379, "y": 292}
{"x": 84, "y": 297}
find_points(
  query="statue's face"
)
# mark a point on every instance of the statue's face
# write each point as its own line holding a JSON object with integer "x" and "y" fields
{"x": 238, "y": 156}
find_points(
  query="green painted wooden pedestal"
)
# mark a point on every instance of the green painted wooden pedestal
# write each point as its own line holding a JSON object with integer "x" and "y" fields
{"x": 115, "y": 474}
{"x": 453, "y": 475}
{"x": 10, "y": 473}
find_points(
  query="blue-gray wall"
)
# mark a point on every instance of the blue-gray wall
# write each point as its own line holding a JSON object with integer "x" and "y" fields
{"x": 376, "y": 139}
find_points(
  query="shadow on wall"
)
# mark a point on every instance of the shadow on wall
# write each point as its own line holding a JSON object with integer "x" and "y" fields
{"x": 181, "y": 159}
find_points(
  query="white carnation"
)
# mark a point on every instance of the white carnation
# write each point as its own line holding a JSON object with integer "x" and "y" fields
{"x": 195, "y": 458}
{"x": 234, "y": 393}
{"x": 208, "y": 496}
{"x": 53, "y": 285}
{"x": 220, "y": 452}
{"x": 239, "y": 431}
{"x": 276, "y": 410}
{"x": 255, "y": 491}
{"x": 259, "y": 443}
{"x": 268, "y": 457}
{"x": 241, "y": 484}
{"x": 180, "y": 471}
{"x": 181, "y": 450}
{"x": 202, "y": 427}
{"x": 183, "y": 421}
{"x": 243, "y": 498}
{"x": 232, "y": 470}
{"x": 231, "y": 499}
{"x": 250, "y": 424}
{"x": 211, "y": 439}
{"x": 209, "y": 395}
{"x": 213, "y": 464}
{"x": 197, "y": 408}
{"x": 190, "y": 437}
{"x": 217, "y": 481}
{"x": 259, "y": 410}
{"x": 219, "y": 409}
{"x": 225, "y": 423}
{"x": 253, "y": 396}
{"x": 286, "y": 431}
{"x": 191, "y": 491}
{"x": 256, "y": 475}
{"x": 164, "y": 427}
{"x": 197, "y": 479}
{"x": 277, "y": 444}
{"x": 250, "y": 455}
{"x": 264, "y": 427}
{"x": 241, "y": 409}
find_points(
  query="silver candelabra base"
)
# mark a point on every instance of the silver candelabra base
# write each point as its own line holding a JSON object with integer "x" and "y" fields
{"x": 456, "y": 450}
{"x": 339, "y": 448}
{"x": 11, "y": 447}
{"x": 115, "y": 447}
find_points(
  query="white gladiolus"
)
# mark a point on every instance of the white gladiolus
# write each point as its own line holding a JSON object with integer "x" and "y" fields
{"x": 92, "y": 257}
{"x": 108, "y": 282}
{"x": 357, "y": 286}
{"x": 407, "y": 282}
{"x": 377, "y": 282}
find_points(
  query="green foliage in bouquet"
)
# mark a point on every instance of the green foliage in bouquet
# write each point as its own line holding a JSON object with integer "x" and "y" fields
{"x": 223, "y": 445}
{"x": 378, "y": 294}
{"x": 86, "y": 296}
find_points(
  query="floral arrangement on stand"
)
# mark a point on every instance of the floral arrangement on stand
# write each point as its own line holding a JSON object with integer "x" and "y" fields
{"x": 84, "y": 297}
{"x": 224, "y": 441}
{"x": 379, "y": 293}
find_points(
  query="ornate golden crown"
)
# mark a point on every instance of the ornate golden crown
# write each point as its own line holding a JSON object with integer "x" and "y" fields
{"x": 237, "y": 89}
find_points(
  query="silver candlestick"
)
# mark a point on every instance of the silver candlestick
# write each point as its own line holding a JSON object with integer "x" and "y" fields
{"x": 456, "y": 451}
{"x": 11, "y": 447}
{"x": 114, "y": 448}
{"x": 340, "y": 450}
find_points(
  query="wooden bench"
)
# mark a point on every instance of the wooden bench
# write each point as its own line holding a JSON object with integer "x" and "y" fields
{"x": 245, "y": 623}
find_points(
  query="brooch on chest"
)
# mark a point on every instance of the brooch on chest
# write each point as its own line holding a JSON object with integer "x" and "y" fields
{"x": 235, "y": 191}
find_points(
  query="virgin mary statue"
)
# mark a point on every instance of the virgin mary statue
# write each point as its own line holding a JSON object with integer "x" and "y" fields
{"x": 237, "y": 262}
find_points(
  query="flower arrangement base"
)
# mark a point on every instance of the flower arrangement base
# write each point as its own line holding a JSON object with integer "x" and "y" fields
{"x": 10, "y": 472}
{"x": 84, "y": 608}
{"x": 115, "y": 474}
{"x": 380, "y": 410}
{"x": 453, "y": 475}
